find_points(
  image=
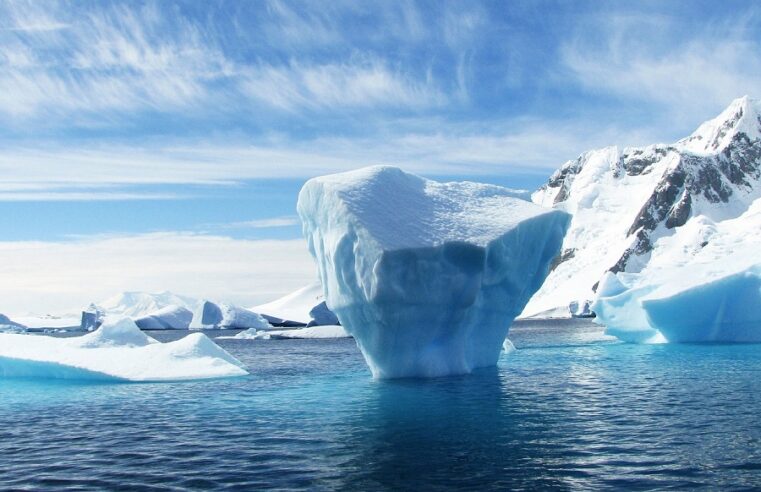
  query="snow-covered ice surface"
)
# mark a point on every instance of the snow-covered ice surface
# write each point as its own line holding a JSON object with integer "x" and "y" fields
{"x": 322, "y": 331}
{"x": 167, "y": 318}
{"x": 299, "y": 307}
{"x": 426, "y": 276}
{"x": 703, "y": 284}
{"x": 212, "y": 316}
{"x": 116, "y": 351}
{"x": 628, "y": 203}
{"x": 49, "y": 321}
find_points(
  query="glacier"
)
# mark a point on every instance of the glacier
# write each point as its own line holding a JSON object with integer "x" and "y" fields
{"x": 426, "y": 276}
{"x": 212, "y": 316}
{"x": 702, "y": 285}
{"x": 117, "y": 351}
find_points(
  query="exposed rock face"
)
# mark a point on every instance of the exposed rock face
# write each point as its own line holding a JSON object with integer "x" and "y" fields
{"x": 624, "y": 202}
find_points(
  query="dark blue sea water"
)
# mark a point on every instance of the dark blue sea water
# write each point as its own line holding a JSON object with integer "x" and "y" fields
{"x": 569, "y": 409}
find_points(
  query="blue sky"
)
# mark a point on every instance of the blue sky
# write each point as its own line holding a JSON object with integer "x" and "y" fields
{"x": 200, "y": 120}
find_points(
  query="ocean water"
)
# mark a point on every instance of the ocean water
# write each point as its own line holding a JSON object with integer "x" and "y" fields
{"x": 569, "y": 409}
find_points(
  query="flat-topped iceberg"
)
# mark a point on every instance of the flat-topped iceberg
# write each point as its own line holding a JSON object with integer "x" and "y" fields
{"x": 118, "y": 350}
{"x": 214, "y": 316}
{"x": 426, "y": 276}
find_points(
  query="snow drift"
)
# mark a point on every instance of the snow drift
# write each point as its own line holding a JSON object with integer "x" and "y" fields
{"x": 116, "y": 351}
{"x": 426, "y": 276}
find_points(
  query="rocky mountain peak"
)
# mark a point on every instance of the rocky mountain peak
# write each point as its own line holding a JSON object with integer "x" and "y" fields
{"x": 742, "y": 116}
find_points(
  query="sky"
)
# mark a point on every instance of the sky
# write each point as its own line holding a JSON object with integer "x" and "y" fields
{"x": 161, "y": 145}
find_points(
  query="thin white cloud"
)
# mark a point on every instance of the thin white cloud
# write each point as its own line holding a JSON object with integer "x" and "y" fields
{"x": 360, "y": 84}
{"x": 65, "y": 275}
{"x": 269, "y": 223}
{"x": 643, "y": 58}
{"x": 517, "y": 146}
{"x": 81, "y": 196}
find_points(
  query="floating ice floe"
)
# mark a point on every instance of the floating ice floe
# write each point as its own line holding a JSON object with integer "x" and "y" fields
{"x": 426, "y": 276}
{"x": 116, "y": 351}
{"x": 225, "y": 316}
{"x": 322, "y": 331}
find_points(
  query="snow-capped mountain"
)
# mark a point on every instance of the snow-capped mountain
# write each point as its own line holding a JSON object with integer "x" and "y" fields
{"x": 139, "y": 304}
{"x": 626, "y": 203}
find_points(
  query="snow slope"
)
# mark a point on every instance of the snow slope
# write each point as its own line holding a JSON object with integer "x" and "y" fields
{"x": 626, "y": 202}
{"x": 116, "y": 351}
{"x": 426, "y": 276}
{"x": 8, "y": 326}
{"x": 294, "y": 307}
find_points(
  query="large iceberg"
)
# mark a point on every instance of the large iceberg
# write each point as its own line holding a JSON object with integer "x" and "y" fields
{"x": 167, "y": 318}
{"x": 426, "y": 276}
{"x": 116, "y": 351}
{"x": 214, "y": 316}
{"x": 707, "y": 289}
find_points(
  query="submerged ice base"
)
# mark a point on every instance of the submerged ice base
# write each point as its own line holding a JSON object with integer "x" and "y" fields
{"x": 426, "y": 276}
{"x": 116, "y": 351}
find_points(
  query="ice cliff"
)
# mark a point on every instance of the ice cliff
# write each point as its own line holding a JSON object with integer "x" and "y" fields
{"x": 426, "y": 276}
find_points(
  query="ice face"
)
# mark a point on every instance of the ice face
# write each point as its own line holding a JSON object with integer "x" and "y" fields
{"x": 426, "y": 276}
{"x": 214, "y": 316}
{"x": 118, "y": 350}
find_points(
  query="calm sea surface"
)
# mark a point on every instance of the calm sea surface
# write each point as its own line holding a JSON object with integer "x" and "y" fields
{"x": 569, "y": 409}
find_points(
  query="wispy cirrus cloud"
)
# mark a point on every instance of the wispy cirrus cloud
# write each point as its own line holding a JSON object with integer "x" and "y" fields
{"x": 650, "y": 58}
{"x": 268, "y": 223}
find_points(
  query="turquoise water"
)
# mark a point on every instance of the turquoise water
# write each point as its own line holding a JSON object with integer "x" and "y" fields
{"x": 569, "y": 409}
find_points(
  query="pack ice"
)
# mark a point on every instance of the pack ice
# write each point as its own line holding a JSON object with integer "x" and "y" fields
{"x": 426, "y": 276}
{"x": 703, "y": 285}
{"x": 118, "y": 350}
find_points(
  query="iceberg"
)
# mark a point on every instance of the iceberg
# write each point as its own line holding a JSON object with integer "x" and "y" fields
{"x": 211, "y": 316}
{"x": 167, "y": 318}
{"x": 426, "y": 276}
{"x": 117, "y": 351}
{"x": 702, "y": 287}
{"x": 306, "y": 306}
